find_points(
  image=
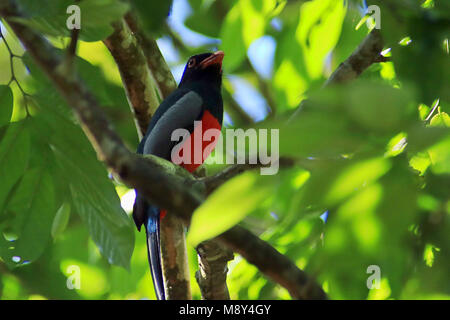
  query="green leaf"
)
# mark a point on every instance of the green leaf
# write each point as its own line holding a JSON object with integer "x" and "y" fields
{"x": 420, "y": 162}
{"x": 440, "y": 153}
{"x": 61, "y": 220}
{"x": 228, "y": 205}
{"x": 390, "y": 116}
{"x": 6, "y": 104}
{"x": 245, "y": 22}
{"x": 441, "y": 119}
{"x": 152, "y": 14}
{"x": 232, "y": 39}
{"x": 255, "y": 16}
{"x": 335, "y": 181}
{"x": 105, "y": 91}
{"x": 50, "y": 17}
{"x": 97, "y": 200}
{"x": 32, "y": 208}
{"x": 205, "y": 20}
{"x": 369, "y": 228}
{"x": 356, "y": 176}
{"x": 373, "y": 106}
{"x": 14, "y": 157}
{"x": 440, "y": 157}
{"x": 421, "y": 138}
{"x": 97, "y": 17}
{"x": 108, "y": 225}
{"x": 427, "y": 34}
{"x": 342, "y": 119}
{"x": 319, "y": 20}
{"x": 93, "y": 193}
{"x": 318, "y": 134}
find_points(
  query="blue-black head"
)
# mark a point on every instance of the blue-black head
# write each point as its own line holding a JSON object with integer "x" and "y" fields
{"x": 205, "y": 67}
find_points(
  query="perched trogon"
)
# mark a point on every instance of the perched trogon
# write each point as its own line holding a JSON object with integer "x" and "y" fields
{"x": 196, "y": 102}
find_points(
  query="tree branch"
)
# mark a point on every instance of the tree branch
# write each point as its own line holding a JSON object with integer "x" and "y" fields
{"x": 212, "y": 274}
{"x": 143, "y": 174}
{"x": 173, "y": 245}
{"x": 142, "y": 95}
{"x": 149, "y": 176}
{"x": 158, "y": 66}
{"x": 136, "y": 77}
{"x": 174, "y": 259}
{"x": 254, "y": 249}
{"x": 367, "y": 53}
{"x": 213, "y": 264}
{"x": 272, "y": 263}
{"x": 213, "y": 182}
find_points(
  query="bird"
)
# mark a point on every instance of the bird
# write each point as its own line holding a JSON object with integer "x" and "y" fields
{"x": 197, "y": 98}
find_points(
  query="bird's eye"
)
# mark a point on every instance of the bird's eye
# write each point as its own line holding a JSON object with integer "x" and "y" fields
{"x": 191, "y": 63}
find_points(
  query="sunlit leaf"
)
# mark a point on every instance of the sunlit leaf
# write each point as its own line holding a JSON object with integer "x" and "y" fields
{"x": 440, "y": 157}
{"x": 319, "y": 20}
{"x": 356, "y": 176}
{"x": 232, "y": 39}
{"x": 228, "y": 205}
{"x": 441, "y": 119}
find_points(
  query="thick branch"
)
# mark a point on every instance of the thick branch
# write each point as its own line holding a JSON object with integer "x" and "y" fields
{"x": 160, "y": 70}
{"x": 272, "y": 263}
{"x": 142, "y": 93}
{"x": 174, "y": 259}
{"x": 213, "y": 260}
{"x": 173, "y": 250}
{"x": 212, "y": 274}
{"x": 136, "y": 77}
{"x": 147, "y": 175}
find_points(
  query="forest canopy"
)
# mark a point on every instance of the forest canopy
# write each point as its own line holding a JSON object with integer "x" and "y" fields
{"x": 359, "y": 92}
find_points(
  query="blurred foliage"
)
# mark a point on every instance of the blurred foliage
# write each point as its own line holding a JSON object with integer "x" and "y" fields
{"x": 373, "y": 154}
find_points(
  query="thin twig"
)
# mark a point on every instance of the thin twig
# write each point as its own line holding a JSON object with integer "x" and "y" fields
{"x": 72, "y": 48}
{"x": 215, "y": 181}
{"x": 367, "y": 53}
{"x": 272, "y": 263}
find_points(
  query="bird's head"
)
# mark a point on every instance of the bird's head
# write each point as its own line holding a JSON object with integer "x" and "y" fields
{"x": 204, "y": 67}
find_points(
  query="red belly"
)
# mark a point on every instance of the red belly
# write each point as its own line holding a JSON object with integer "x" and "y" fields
{"x": 208, "y": 122}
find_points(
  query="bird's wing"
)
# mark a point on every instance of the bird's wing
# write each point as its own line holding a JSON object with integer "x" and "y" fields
{"x": 181, "y": 114}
